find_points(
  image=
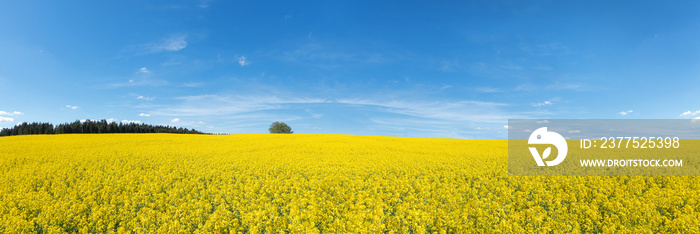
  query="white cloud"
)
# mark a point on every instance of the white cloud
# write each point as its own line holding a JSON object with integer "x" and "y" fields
{"x": 557, "y": 86}
{"x": 145, "y": 115}
{"x": 145, "y": 98}
{"x": 6, "y": 119}
{"x": 204, "y": 4}
{"x": 623, "y": 113}
{"x": 111, "y": 120}
{"x": 690, "y": 113}
{"x": 175, "y": 120}
{"x": 445, "y": 87}
{"x": 314, "y": 115}
{"x": 438, "y": 118}
{"x": 543, "y": 121}
{"x": 208, "y": 105}
{"x": 242, "y": 61}
{"x": 314, "y": 128}
{"x": 174, "y": 43}
{"x": 143, "y": 70}
{"x": 131, "y": 121}
{"x": 11, "y": 113}
{"x": 72, "y": 107}
{"x": 488, "y": 90}
{"x": 506, "y": 127}
{"x": 192, "y": 84}
{"x": 456, "y": 111}
{"x": 574, "y": 131}
{"x": 139, "y": 82}
{"x": 541, "y": 104}
{"x": 573, "y": 87}
{"x": 542, "y": 68}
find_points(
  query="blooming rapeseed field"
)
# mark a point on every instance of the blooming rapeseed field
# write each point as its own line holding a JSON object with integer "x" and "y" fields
{"x": 166, "y": 183}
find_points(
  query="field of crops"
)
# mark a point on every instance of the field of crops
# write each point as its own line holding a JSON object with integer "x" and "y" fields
{"x": 168, "y": 183}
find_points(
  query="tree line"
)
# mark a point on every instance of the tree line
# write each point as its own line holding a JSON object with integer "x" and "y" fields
{"x": 91, "y": 126}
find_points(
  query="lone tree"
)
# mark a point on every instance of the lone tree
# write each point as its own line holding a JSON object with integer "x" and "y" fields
{"x": 280, "y": 127}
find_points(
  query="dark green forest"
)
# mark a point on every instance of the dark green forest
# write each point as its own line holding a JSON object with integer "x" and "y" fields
{"x": 91, "y": 126}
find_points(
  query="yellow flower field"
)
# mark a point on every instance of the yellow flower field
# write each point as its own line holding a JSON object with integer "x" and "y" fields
{"x": 167, "y": 183}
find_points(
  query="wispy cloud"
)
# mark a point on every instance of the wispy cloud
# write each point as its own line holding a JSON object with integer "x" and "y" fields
{"x": 145, "y": 115}
{"x": 567, "y": 86}
{"x": 175, "y": 120}
{"x": 690, "y": 113}
{"x": 6, "y": 119}
{"x": 210, "y": 105}
{"x": 488, "y": 90}
{"x": 145, "y": 98}
{"x": 331, "y": 57}
{"x": 314, "y": 115}
{"x": 131, "y": 121}
{"x": 11, "y": 113}
{"x": 556, "y": 86}
{"x": 466, "y": 110}
{"x": 438, "y": 118}
{"x": 623, "y": 113}
{"x": 173, "y": 43}
{"x": 314, "y": 51}
{"x": 542, "y": 104}
{"x": 72, "y": 107}
{"x": 243, "y": 113}
{"x": 143, "y": 70}
{"x": 242, "y": 61}
{"x": 192, "y": 84}
{"x": 204, "y": 3}
{"x": 139, "y": 82}
{"x": 430, "y": 128}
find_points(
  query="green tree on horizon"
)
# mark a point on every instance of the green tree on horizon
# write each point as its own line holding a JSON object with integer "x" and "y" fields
{"x": 280, "y": 127}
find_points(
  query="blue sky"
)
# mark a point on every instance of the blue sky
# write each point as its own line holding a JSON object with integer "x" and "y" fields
{"x": 395, "y": 68}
